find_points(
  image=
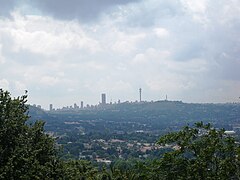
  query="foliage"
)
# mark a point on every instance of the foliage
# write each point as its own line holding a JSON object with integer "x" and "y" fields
{"x": 202, "y": 152}
{"x": 76, "y": 169}
{"x": 25, "y": 151}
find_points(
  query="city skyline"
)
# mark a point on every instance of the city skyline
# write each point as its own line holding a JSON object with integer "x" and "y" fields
{"x": 102, "y": 101}
{"x": 188, "y": 49}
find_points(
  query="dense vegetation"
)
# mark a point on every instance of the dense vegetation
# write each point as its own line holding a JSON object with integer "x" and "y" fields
{"x": 129, "y": 130}
{"x": 26, "y": 152}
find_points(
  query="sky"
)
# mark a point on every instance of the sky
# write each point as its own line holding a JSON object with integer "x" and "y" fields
{"x": 65, "y": 52}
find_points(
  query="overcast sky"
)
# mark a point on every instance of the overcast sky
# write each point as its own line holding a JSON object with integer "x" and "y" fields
{"x": 64, "y": 52}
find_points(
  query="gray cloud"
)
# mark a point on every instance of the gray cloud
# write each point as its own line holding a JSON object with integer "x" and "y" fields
{"x": 6, "y": 6}
{"x": 150, "y": 13}
{"x": 83, "y": 10}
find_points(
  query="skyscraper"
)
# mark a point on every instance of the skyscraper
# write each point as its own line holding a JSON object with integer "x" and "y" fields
{"x": 81, "y": 104}
{"x": 50, "y": 107}
{"x": 103, "y": 98}
{"x": 140, "y": 95}
{"x": 75, "y": 106}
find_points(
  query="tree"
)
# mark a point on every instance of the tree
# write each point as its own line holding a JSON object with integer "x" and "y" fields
{"x": 26, "y": 152}
{"x": 202, "y": 152}
{"x": 79, "y": 169}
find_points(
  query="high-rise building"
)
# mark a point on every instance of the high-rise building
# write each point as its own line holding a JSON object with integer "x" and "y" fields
{"x": 50, "y": 107}
{"x": 75, "y": 106}
{"x": 104, "y": 98}
{"x": 81, "y": 104}
{"x": 140, "y": 94}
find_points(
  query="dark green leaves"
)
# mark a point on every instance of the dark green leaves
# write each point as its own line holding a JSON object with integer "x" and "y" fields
{"x": 202, "y": 152}
{"x": 26, "y": 152}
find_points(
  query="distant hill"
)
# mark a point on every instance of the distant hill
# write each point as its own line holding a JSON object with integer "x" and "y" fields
{"x": 157, "y": 114}
{"x": 37, "y": 113}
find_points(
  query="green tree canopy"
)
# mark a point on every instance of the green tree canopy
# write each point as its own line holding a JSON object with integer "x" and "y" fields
{"x": 26, "y": 152}
{"x": 201, "y": 152}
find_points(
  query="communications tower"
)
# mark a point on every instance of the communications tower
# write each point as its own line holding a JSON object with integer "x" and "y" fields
{"x": 140, "y": 94}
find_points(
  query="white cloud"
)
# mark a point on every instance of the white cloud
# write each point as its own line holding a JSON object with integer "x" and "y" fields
{"x": 151, "y": 55}
{"x": 46, "y": 36}
{"x": 20, "y": 86}
{"x": 195, "y": 5}
{"x": 70, "y": 90}
{"x": 161, "y": 32}
{"x": 189, "y": 67}
{"x": 2, "y": 59}
{"x": 4, "y": 84}
{"x": 95, "y": 66}
{"x": 49, "y": 80}
{"x": 126, "y": 43}
{"x": 139, "y": 58}
{"x": 198, "y": 10}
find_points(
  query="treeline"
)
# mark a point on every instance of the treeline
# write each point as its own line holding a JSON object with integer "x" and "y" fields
{"x": 26, "y": 152}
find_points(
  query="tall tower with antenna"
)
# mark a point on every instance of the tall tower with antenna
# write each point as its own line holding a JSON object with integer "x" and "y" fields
{"x": 140, "y": 94}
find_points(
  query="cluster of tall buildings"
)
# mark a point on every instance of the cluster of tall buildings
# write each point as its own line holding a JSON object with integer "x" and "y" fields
{"x": 102, "y": 102}
{"x": 75, "y": 106}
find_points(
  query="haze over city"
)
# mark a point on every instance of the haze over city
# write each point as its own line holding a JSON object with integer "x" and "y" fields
{"x": 65, "y": 52}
